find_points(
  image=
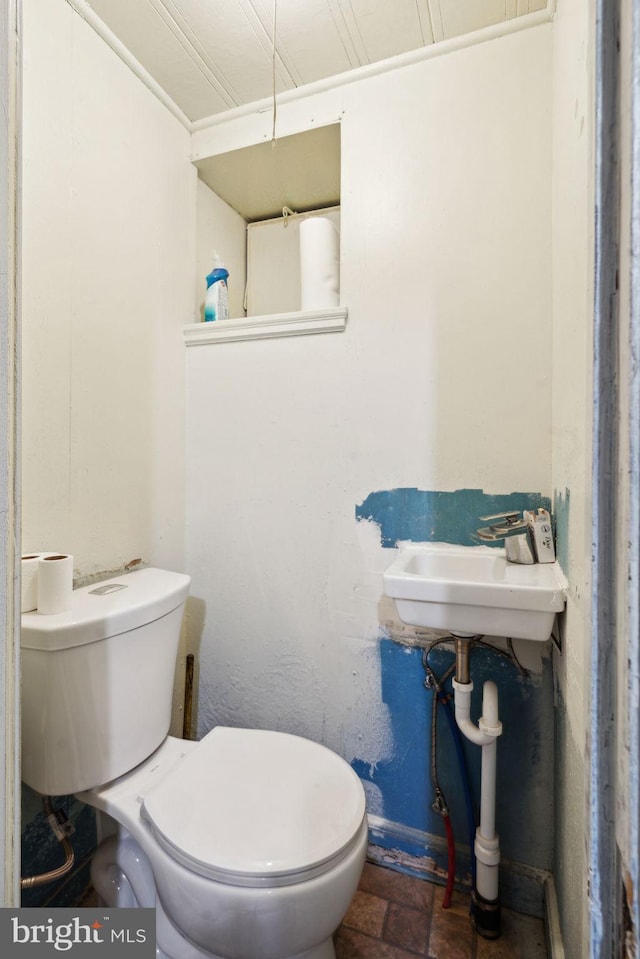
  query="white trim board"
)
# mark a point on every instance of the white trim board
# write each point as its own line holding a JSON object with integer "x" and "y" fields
{"x": 332, "y": 320}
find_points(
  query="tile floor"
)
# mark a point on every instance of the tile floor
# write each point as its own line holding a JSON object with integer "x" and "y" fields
{"x": 393, "y": 916}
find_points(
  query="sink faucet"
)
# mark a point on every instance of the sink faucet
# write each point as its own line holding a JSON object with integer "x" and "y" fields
{"x": 514, "y": 530}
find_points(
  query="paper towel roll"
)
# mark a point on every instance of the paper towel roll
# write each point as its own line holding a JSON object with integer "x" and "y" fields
{"x": 319, "y": 263}
{"x": 55, "y": 583}
{"x": 29, "y": 580}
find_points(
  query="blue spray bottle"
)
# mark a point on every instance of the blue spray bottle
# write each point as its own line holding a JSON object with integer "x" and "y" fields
{"x": 216, "y": 302}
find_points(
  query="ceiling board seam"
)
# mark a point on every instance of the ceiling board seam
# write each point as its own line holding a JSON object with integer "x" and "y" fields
{"x": 435, "y": 17}
{"x": 431, "y": 51}
{"x": 220, "y": 85}
{"x": 347, "y": 26}
{"x": 191, "y": 38}
{"x": 262, "y": 25}
{"x": 424, "y": 14}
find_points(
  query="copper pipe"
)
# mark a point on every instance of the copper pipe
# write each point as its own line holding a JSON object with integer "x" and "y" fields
{"x": 28, "y": 882}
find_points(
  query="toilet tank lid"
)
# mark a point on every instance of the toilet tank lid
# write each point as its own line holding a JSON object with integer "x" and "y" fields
{"x": 107, "y": 608}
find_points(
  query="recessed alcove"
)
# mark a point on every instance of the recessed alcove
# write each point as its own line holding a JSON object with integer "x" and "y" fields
{"x": 301, "y": 171}
{"x": 250, "y": 203}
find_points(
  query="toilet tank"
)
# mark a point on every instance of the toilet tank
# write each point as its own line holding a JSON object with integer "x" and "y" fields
{"x": 97, "y": 681}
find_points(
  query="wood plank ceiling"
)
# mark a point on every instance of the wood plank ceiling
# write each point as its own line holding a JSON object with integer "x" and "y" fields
{"x": 210, "y": 56}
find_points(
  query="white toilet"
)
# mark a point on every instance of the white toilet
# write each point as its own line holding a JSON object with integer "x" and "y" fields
{"x": 249, "y": 844}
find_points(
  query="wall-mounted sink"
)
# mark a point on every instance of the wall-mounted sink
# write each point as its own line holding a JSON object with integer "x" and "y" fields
{"x": 474, "y": 590}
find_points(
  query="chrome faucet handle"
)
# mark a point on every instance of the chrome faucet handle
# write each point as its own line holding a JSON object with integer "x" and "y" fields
{"x": 511, "y": 524}
{"x": 510, "y": 517}
{"x": 515, "y": 532}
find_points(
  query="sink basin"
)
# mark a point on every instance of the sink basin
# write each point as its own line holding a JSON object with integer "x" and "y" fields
{"x": 472, "y": 590}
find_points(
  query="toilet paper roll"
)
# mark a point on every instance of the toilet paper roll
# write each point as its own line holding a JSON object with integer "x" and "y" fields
{"x": 55, "y": 583}
{"x": 29, "y": 580}
{"x": 319, "y": 263}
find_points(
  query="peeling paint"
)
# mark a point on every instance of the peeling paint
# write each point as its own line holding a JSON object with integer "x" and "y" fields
{"x": 561, "y": 504}
{"x": 630, "y": 943}
{"x": 423, "y": 867}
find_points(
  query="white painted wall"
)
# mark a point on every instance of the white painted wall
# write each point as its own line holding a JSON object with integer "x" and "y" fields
{"x": 441, "y": 381}
{"x": 573, "y": 204}
{"x": 108, "y": 281}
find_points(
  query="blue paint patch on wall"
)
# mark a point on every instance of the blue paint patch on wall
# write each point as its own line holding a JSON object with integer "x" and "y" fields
{"x": 423, "y": 516}
{"x": 525, "y": 753}
{"x": 561, "y": 502}
{"x": 524, "y": 805}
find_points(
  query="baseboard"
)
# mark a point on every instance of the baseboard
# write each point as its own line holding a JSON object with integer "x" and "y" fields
{"x": 415, "y": 852}
{"x": 522, "y": 888}
{"x": 552, "y": 928}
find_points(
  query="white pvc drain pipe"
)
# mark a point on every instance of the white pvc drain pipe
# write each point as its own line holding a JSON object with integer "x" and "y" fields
{"x": 487, "y": 845}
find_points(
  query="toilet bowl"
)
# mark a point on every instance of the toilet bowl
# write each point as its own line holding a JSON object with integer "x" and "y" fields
{"x": 249, "y": 843}
{"x": 242, "y": 865}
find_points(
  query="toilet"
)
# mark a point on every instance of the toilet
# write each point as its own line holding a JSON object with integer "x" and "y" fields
{"x": 249, "y": 844}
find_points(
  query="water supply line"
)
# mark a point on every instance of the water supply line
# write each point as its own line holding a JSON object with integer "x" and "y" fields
{"x": 61, "y": 828}
{"x": 439, "y": 804}
{"x": 485, "y": 898}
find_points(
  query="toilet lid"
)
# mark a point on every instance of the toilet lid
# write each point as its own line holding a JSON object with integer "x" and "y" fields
{"x": 253, "y": 807}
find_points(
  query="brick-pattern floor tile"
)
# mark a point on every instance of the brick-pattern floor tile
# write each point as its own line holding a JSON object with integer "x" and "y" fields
{"x": 366, "y": 914}
{"x": 451, "y": 938}
{"x": 452, "y": 935}
{"x": 407, "y": 927}
{"x": 397, "y": 887}
{"x": 351, "y": 944}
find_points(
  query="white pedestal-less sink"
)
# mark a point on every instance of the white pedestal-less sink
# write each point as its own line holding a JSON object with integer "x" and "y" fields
{"x": 474, "y": 590}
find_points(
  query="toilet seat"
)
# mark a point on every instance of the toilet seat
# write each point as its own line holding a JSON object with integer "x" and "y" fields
{"x": 254, "y": 807}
